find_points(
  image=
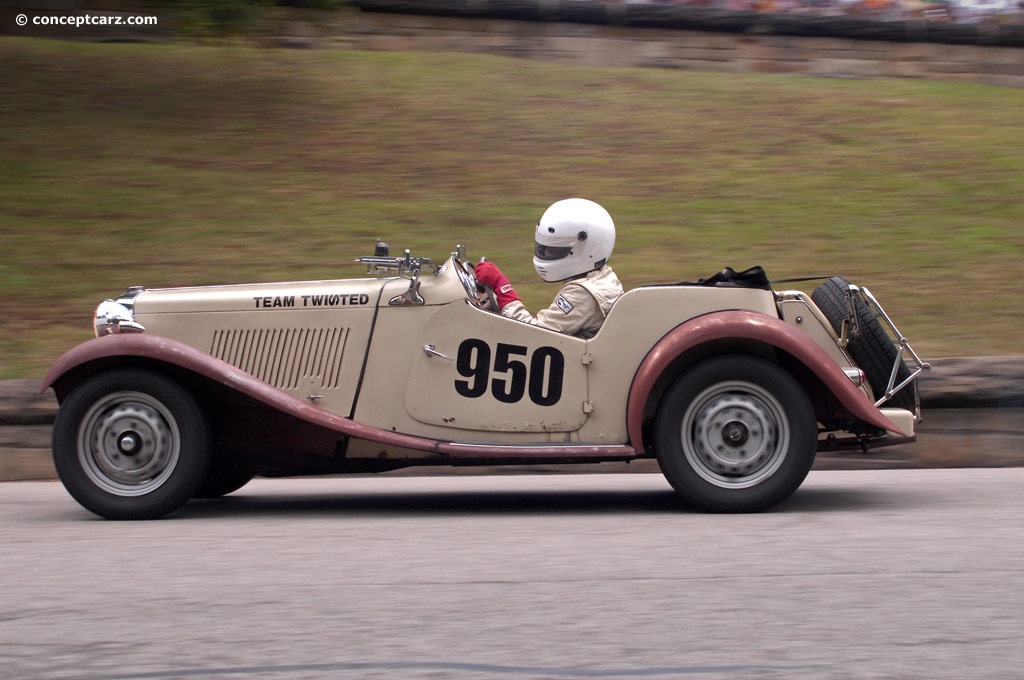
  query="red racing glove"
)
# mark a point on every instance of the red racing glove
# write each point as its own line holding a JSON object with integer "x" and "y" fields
{"x": 488, "y": 274}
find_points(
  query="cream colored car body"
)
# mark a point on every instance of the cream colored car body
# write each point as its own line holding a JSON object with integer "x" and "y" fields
{"x": 310, "y": 339}
{"x": 377, "y": 373}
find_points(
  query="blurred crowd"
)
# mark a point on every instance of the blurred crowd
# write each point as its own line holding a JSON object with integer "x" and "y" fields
{"x": 958, "y": 11}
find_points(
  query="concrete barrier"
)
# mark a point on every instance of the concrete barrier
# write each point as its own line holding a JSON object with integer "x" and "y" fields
{"x": 973, "y": 417}
{"x": 911, "y": 26}
{"x": 615, "y": 34}
{"x": 681, "y": 37}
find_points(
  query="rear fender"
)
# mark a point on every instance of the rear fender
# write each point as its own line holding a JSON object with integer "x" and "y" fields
{"x": 745, "y": 326}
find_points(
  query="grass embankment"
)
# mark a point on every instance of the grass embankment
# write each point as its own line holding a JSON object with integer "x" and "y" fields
{"x": 176, "y": 164}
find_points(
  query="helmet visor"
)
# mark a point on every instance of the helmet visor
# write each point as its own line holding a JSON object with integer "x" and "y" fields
{"x": 550, "y": 253}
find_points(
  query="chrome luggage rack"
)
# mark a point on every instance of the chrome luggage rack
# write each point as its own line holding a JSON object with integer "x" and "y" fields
{"x": 381, "y": 264}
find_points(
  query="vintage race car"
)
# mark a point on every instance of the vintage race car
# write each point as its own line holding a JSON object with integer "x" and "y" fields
{"x": 731, "y": 384}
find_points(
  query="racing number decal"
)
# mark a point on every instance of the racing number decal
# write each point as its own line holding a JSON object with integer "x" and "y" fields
{"x": 541, "y": 380}
{"x": 474, "y": 361}
{"x": 547, "y": 366}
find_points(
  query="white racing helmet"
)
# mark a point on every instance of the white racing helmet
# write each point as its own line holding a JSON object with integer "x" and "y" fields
{"x": 574, "y": 236}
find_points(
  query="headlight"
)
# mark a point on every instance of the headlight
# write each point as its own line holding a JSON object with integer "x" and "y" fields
{"x": 112, "y": 318}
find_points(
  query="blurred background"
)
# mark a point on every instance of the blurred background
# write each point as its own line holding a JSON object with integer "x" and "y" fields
{"x": 201, "y": 150}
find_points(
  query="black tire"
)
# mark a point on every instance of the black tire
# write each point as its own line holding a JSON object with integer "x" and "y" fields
{"x": 872, "y": 348}
{"x": 735, "y": 434}
{"x": 223, "y": 477}
{"x": 131, "y": 444}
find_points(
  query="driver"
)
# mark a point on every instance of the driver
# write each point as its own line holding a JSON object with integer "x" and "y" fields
{"x": 574, "y": 240}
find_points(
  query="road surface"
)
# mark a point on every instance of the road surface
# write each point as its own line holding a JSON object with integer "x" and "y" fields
{"x": 862, "y": 574}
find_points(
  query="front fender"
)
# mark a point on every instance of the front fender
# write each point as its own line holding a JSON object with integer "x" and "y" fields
{"x": 744, "y": 325}
{"x": 83, "y": 360}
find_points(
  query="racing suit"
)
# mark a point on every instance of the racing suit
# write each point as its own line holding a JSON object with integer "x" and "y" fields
{"x": 579, "y": 308}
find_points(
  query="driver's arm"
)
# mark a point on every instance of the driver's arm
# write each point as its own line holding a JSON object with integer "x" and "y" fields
{"x": 570, "y": 312}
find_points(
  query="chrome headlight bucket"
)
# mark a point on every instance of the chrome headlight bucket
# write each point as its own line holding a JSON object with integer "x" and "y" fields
{"x": 113, "y": 317}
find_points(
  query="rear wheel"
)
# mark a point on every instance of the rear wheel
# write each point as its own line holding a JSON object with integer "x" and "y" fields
{"x": 735, "y": 434}
{"x": 130, "y": 444}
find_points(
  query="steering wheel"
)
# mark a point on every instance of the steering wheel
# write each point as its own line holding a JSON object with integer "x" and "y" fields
{"x": 479, "y": 295}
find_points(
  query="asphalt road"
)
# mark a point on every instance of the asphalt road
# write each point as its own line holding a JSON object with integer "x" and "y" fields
{"x": 862, "y": 574}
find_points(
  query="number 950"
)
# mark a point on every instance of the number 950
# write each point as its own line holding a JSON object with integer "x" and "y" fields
{"x": 541, "y": 380}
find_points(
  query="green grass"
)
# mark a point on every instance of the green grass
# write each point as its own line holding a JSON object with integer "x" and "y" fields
{"x": 180, "y": 164}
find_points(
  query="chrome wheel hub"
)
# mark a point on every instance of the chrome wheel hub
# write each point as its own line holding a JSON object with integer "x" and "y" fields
{"x": 128, "y": 443}
{"x": 735, "y": 434}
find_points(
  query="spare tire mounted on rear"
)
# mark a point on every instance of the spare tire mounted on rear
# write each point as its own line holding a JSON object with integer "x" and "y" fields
{"x": 869, "y": 344}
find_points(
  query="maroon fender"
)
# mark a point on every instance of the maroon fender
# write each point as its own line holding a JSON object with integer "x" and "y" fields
{"x": 176, "y": 353}
{"x": 185, "y": 356}
{"x": 746, "y": 325}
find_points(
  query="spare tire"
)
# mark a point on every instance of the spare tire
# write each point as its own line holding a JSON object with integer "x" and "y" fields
{"x": 871, "y": 347}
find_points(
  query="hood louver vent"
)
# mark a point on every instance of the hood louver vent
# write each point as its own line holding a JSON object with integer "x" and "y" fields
{"x": 286, "y": 358}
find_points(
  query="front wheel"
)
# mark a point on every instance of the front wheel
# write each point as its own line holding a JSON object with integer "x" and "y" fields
{"x": 735, "y": 434}
{"x": 131, "y": 444}
{"x": 224, "y": 477}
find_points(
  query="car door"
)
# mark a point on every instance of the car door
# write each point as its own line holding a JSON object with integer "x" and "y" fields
{"x": 476, "y": 370}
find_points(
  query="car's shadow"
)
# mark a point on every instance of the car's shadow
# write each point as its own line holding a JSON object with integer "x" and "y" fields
{"x": 518, "y": 502}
